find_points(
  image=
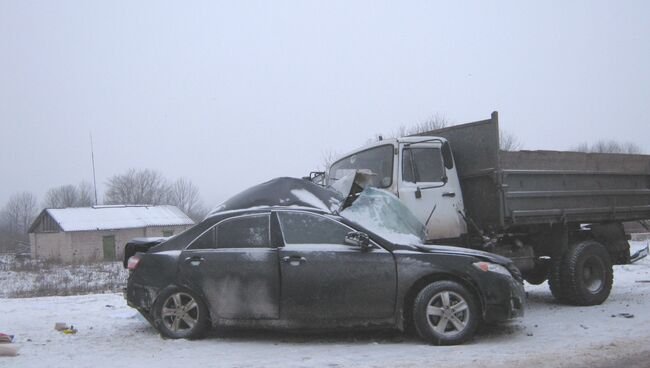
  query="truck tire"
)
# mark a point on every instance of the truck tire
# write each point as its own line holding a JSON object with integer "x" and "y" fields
{"x": 555, "y": 280}
{"x": 586, "y": 273}
{"x": 446, "y": 313}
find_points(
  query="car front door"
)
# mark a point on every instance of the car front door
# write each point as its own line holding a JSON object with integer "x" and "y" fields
{"x": 324, "y": 280}
{"x": 236, "y": 268}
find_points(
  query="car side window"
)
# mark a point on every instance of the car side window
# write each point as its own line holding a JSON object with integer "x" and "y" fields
{"x": 422, "y": 165}
{"x": 205, "y": 241}
{"x": 238, "y": 232}
{"x": 244, "y": 232}
{"x": 307, "y": 228}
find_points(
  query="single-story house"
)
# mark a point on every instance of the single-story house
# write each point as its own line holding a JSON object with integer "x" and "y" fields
{"x": 100, "y": 232}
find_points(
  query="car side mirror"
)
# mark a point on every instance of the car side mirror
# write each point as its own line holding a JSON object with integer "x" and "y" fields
{"x": 359, "y": 239}
{"x": 444, "y": 179}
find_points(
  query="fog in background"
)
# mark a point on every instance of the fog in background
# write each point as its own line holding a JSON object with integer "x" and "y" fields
{"x": 232, "y": 94}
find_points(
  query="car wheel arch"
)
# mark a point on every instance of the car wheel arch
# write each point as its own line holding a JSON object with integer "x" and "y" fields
{"x": 406, "y": 310}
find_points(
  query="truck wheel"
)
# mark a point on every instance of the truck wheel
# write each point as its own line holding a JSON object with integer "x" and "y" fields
{"x": 587, "y": 273}
{"x": 555, "y": 280}
{"x": 445, "y": 313}
{"x": 180, "y": 314}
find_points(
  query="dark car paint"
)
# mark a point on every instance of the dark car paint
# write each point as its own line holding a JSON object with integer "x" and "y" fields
{"x": 355, "y": 294}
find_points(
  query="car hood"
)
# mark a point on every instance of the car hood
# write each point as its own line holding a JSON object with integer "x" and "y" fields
{"x": 490, "y": 257}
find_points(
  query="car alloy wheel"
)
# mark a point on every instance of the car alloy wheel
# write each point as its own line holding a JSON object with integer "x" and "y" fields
{"x": 448, "y": 313}
{"x": 180, "y": 312}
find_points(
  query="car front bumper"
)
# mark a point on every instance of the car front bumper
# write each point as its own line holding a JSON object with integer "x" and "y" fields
{"x": 504, "y": 299}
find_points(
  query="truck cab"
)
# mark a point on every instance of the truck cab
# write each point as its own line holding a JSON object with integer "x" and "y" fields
{"x": 418, "y": 170}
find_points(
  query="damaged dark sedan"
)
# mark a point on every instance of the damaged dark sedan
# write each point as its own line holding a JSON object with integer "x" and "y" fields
{"x": 290, "y": 254}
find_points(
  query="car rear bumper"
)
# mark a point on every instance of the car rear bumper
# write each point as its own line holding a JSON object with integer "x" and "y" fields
{"x": 138, "y": 296}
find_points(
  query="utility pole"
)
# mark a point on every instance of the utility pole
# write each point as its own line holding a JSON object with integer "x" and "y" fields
{"x": 92, "y": 157}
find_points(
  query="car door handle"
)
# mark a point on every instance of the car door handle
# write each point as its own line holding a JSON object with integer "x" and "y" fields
{"x": 194, "y": 261}
{"x": 449, "y": 194}
{"x": 294, "y": 260}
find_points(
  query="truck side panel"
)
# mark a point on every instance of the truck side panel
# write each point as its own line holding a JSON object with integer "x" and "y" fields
{"x": 550, "y": 186}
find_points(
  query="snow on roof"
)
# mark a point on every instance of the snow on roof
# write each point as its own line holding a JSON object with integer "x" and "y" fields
{"x": 117, "y": 217}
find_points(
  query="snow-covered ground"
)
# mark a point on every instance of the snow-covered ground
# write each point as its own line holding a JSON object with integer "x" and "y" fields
{"x": 34, "y": 277}
{"x": 550, "y": 335}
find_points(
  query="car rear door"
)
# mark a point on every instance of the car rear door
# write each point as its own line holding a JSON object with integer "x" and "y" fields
{"x": 324, "y": 280}
{"x": 235, "y": 267}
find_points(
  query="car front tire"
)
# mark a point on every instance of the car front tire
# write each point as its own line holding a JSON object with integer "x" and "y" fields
{"x": 446, "y": 313}
{"x": 180, "y": 314}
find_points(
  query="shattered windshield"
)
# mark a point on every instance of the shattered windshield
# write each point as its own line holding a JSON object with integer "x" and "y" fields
{"x": 382, "y": 213}
{"x": 378, "y": 160}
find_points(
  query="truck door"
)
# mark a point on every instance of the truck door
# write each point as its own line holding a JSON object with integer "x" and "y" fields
{"x": 430, "y": 189}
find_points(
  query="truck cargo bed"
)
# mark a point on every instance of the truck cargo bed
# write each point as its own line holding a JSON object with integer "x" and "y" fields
{"x": 502, "y": 189}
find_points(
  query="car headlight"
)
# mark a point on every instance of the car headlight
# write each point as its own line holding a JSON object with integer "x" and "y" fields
{"x": 492, "y": 267}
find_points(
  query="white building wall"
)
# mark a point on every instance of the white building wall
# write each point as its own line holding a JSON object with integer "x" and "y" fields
{"x": 50, "y": 245}
{"x": 85, "y": 246}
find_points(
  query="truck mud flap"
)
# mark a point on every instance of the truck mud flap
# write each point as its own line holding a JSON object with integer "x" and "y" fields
{"x": 639, "y": 255}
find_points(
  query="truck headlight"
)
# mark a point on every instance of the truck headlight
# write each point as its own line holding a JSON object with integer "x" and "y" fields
{"x": 492, "y": 267}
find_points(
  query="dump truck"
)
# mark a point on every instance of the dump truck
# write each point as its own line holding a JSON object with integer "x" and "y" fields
{"x": 557, "y": 215}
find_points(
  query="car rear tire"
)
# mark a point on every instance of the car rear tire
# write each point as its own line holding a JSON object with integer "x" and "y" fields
{"x": 446, "y": 313}
{"x": 180, "y": 314}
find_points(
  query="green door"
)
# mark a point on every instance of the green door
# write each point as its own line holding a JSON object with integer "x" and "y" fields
{"x": 109, "y": 247}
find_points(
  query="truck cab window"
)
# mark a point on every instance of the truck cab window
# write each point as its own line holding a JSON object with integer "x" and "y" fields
{"x": 379, "y": 160}
{"x": 422, "y": 165}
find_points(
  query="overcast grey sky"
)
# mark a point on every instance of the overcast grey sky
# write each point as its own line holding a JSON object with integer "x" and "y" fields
{"x": 229, "y": 94}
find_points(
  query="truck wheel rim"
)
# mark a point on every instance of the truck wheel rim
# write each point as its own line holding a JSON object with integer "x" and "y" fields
{"x": 593, "y": 274}
{"x": 448, "y": 313}
{"x": 180, "y": 312}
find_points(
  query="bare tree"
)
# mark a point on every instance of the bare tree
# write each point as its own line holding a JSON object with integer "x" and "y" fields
{"x": 69, "y": 196}
{"x": 61, "y": 197}
{"x": 328, "y": 157}
{"x": 16, "y": 217}
{"x": 608, "y": 146}
{"x": 435, "y": 122}
{"x": 508, "y": 142}
{"x": 86, "y": 194}
{"x": 185, "y": 195}
{"x": 137, "y": 187}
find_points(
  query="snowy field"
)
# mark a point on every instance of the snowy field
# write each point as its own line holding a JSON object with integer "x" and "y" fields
{"x": 616, "y": 333}
{"x": 28, "y": 278}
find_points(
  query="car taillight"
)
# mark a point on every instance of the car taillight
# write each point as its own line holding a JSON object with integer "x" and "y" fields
{"x": 133, "y": 262}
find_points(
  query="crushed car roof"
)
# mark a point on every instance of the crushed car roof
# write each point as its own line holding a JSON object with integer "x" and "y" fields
{"x": 283, "y": 192}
